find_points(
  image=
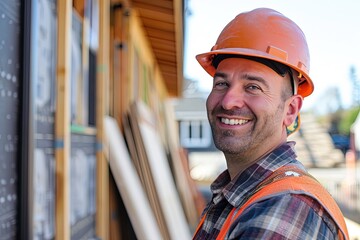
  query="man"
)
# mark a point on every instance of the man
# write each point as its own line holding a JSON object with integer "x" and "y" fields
{"x": 260, "y": 66}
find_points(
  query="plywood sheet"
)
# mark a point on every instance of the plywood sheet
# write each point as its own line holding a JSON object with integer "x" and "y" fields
{"x": 142, "y": 164}
{"x": 129, "y": 185}
{"x": 161, "y": 173}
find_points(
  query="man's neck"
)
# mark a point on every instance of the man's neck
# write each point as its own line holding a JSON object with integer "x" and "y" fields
{"x": 237, "y": 163}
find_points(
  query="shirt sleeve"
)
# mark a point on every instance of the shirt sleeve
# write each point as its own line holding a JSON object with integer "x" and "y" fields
{"x": 287, "y": 216}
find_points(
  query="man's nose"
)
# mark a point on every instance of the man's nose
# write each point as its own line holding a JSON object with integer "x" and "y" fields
{"x": 233, "y": 98}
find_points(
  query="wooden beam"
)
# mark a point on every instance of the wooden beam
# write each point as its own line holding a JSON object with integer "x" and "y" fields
{"x": 103, "y": 57}
{"x": 179, "y": 35}
{"x": 62, "y": 121}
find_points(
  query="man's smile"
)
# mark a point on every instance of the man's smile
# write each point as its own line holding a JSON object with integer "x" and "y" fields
{"x": 233, "y": 121}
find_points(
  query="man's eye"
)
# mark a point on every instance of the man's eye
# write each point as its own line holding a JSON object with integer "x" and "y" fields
{"x": 220, "y": 85}
{"x": 253, "y": 87}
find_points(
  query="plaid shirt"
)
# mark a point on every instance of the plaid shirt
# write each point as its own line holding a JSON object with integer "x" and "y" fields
{"x": 286, "y": 216}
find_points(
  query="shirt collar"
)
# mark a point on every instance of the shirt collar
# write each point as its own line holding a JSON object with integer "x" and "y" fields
{"x": 241, "y": 187}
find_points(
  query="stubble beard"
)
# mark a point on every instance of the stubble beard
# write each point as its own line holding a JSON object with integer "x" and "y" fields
{"x": 232, "y": 143}
{"x": 227, "y": 141}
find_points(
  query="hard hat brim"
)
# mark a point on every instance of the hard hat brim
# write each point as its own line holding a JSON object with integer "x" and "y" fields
{"x": 305, "y": 87}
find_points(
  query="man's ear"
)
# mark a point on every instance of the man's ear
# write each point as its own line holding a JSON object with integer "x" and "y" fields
{"x": 294, "y": 105}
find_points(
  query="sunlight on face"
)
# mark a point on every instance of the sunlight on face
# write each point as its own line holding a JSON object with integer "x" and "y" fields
{"x": 245, "y": 108}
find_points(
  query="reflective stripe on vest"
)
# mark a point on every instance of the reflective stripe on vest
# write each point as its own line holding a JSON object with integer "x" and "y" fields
{"x": 288, "y": 179}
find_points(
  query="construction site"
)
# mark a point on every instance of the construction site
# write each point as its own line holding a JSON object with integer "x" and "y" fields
{"x": 94, "y": 108}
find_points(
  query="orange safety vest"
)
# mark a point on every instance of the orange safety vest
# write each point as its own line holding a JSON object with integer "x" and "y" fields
{"x": 288, "y": 179}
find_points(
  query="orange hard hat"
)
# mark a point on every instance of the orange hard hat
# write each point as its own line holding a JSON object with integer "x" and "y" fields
{"x": 264, "y": 33}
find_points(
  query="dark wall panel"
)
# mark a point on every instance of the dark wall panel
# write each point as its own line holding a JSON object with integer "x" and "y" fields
{"x": 10, "y": 63}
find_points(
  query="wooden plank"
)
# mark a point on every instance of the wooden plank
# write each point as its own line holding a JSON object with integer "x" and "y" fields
{"x": 169, "y": 66}
{"x": 153, "y": 4}
{"x": 130, "y": 140}
{"x": 179, "y": 36}
{"x": 161, "y": 34}
{"x": 161, "y": 173}
{"x": 102, "y": 78}
{"x": 143, "y": 169}
{"x": 154, "y": 23}
{"x": 164, "y": 56}
{"x": 161, "y": 44}
{"x": 199, "y": 199}
{"x": 129, "y": 184}
{"x": 62, "y": 126}
{"x": 189, "y": 195}
{"x": 163, "y": 16}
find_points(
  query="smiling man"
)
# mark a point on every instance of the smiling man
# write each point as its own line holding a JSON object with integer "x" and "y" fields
{"x": 260, "y": 65}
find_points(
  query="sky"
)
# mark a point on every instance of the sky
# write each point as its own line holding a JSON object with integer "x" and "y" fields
{"x": 331, "y": 27}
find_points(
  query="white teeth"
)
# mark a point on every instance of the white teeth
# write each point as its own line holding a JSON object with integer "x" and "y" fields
{"x": 233, "y": 121}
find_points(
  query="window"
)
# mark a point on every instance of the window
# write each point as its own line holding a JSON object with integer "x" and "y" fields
{"x": 195, "y": 134}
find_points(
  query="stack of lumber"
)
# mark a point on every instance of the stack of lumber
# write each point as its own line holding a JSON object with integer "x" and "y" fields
{"x": 314, "y": 146}
{"x": 152, "y": 174}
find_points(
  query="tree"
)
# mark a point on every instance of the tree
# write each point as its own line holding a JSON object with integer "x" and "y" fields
{"x": 347, "y": 119}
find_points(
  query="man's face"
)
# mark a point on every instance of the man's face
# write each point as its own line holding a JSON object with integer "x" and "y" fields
{"x": 245, "y": 108}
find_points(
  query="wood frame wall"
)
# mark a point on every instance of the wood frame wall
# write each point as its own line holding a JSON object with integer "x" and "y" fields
{"x": 114, "y": 93}
{"x": 62, "y": 126}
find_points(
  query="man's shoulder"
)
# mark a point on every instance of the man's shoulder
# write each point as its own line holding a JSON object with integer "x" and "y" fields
{"x": 287, "y": 214}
